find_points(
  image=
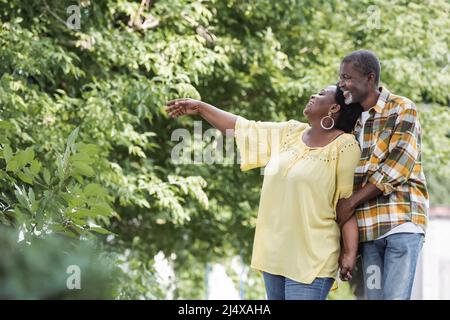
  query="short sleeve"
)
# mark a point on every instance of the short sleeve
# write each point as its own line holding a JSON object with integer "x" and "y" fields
{"x": 257, "y": 141}
{"x": 347, "y": 160}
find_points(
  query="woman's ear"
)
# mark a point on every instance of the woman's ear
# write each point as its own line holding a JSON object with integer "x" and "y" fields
{"x": 335, "y": 108}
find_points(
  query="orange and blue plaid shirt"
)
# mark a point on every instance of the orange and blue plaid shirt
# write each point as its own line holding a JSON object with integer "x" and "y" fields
{"x": 391, "y": 160}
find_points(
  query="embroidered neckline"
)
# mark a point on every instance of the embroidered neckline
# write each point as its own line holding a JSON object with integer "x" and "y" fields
{"x": 319, "y": 148}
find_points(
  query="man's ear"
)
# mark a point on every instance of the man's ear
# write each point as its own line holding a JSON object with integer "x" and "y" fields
{"x": 371, "y": 77}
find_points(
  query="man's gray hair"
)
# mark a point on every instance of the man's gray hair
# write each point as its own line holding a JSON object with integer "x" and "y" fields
{"x": 366, "y": 62}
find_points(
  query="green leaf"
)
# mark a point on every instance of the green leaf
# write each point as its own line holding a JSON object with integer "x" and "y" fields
{"x": 72, "y": 137}
{"x": 88, "y": 149}
{"x": 82, "y": 157}
{"x": 46, "y": 176}
{"x": 41, "y": 208}
{"x": 7, "y": 153}
{"x": 22, "y": 158}
{"x": 31, "y": 195}
{"x": 81, "y": 213}
{"x": 24, "y": 177}
{"x": 28, "y": 155}
{"x": 83, "y": 169}
{"x": 94, "y": 189}
{"x": 135, "y": 150}
{"x": 35, "y": 167}
{"x": 25, "y": 156}
{"x": 12, "y": 165}
{"x": 5, "y": 125}
{"x": 100, "y": 230}
{"x": 102, "y": 210}
{"x": 75, "y": 198}
{"x": 20, "y": 216}
{"x": 57, "y": 227}
{"x": 21, "y": 197}
{"x": 79, "y": 222}
{"x": 79, "y": 178}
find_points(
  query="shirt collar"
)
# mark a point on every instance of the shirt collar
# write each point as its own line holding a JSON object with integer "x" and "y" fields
{"x": 382, "y": 99}
{"x": 378, "y": 107}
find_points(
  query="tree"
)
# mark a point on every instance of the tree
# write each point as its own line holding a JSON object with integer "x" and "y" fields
{"x": 111, "y": 78}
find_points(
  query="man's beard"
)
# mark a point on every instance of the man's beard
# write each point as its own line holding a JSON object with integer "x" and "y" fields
{"x": 348, "y": 97}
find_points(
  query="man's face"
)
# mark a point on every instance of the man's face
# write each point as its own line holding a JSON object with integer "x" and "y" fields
{"x": 353, "y": 83}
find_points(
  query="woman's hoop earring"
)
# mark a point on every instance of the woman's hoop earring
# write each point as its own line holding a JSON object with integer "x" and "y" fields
{"x": 332, "y": 122}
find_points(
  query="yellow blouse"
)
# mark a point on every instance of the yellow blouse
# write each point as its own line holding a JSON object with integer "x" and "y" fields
{"x": 296, "y": 233}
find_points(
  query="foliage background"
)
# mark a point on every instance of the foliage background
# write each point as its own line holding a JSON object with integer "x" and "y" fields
{"x": 86, "y": 146}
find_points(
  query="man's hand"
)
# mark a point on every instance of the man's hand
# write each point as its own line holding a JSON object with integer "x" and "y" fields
{"x": 344, "y": 210}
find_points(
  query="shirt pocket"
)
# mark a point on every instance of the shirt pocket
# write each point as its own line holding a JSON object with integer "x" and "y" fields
{"x": 380, "y": 146}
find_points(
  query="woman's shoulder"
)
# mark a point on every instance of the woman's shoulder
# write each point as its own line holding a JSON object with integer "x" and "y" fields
{"x": 348, "y": 142}
{"x": 296, "y": 126}
{"x": 293, "y": 129}
{"x": 348, "y": 138}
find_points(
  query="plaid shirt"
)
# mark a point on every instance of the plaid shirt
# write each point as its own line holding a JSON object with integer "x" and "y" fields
{"x": 391, "y": 160}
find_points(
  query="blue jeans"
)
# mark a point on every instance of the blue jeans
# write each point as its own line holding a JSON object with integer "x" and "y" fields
{"x": 389, "y": 265}
{"x": 282, "y": 288}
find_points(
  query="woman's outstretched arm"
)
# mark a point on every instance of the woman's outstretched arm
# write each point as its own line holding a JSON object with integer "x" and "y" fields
{"x": 221, "y": 120}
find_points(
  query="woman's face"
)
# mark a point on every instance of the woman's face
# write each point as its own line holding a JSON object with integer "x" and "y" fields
{"x": 320, "y": 104}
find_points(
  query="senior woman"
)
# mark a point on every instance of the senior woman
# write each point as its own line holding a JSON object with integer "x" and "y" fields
{"x": 307, "y": 169}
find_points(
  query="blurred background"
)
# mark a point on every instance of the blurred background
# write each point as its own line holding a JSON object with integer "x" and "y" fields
{"x": 86, "y": 173}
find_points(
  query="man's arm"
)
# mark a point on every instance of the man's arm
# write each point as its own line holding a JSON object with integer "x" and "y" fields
{"x": 346, "y": 207}
{"x": 394, "y": 170}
